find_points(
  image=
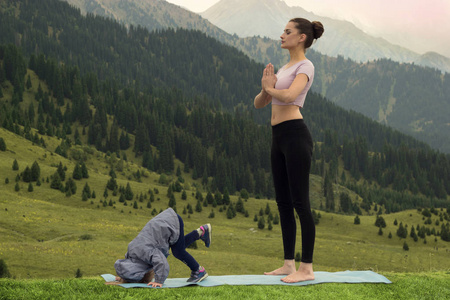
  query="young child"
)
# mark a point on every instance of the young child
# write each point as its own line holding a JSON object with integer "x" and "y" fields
{"x": 146, "y": 257}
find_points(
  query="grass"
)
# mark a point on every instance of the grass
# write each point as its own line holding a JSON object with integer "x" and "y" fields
{"x": 46, "y": 236}
{"x": 404, "y": 286}
{"x": 44, "y": 232}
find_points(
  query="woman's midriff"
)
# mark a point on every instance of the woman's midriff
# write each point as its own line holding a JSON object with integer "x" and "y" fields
{"x": 281, "y": 113}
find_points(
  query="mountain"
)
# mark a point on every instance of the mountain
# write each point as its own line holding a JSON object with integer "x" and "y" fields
{"x": 151, "y": 14}
{"x": 269, "y": 17}
{"x": 191, "y": 103}
{"x": 430, "y": 127}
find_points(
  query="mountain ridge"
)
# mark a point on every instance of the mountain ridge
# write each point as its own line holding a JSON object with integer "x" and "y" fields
{"x": 340, "y": 38}
{"x": 266, "y": 50}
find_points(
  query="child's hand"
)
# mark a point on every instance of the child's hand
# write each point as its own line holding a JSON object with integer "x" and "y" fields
{"x": 154, "y": 284}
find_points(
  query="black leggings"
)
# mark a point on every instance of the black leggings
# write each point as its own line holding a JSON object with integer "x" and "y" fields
{"x": 291, "y": 162}
{"x": 179, "y": 248}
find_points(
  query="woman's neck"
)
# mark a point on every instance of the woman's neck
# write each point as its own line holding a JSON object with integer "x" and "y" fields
{"x": 296, "y": 55}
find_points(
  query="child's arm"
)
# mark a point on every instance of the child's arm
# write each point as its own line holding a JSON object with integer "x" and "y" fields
{"x": 160, "y": 266}
{"x": 155, "y": 284}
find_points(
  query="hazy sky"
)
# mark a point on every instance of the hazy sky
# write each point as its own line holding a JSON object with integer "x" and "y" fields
{"x": 420, "y": 25}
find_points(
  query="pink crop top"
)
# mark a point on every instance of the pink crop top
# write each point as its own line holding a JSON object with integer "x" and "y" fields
{"x": 285, "y": 77}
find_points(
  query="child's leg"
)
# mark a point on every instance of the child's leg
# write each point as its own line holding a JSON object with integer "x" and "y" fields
{"x": 179, "y": 248}
{"x": 191, "y": 237}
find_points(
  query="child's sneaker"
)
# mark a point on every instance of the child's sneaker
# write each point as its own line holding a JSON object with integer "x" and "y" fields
{"x": 206, "y": 235}
{"x": 197, "y": 276}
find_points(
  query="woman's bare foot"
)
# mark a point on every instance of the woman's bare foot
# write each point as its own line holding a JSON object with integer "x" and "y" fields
{"x": 304, "y": 273}
{"x": 286, "y": 269}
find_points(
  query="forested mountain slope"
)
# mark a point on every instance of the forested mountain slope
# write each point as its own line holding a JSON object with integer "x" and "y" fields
{"x": 406, "y": 96}
{"x": 193, "y": 105}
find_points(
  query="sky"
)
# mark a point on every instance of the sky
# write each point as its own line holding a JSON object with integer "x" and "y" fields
{"x": 419, "y": 25}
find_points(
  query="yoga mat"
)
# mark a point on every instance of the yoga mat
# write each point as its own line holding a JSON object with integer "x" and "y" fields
{"x": 320, "y": 277}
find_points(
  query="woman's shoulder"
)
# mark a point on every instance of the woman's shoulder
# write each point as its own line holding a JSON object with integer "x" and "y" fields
{"x": 305, "y": 63}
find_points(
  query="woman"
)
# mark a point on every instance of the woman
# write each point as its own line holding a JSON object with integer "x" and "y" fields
{"x": 292, "y": 144}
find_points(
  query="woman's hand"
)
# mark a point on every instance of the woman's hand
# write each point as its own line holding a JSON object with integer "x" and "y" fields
{"x": 269, "y": 78}
{"x": 155, "y": 284}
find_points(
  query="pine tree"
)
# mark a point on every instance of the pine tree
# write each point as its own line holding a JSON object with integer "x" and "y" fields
{"x": 345, "y": 201}
{"x": 261, "y": 223}
{"x": 2, "y": 141}
{"x": 111, "y": 184}
{"x": 276, "y": 219}
{"x": 198, "y": 206}
{"x": 229, "y": 212}
{"x": 15, "y": 165}
{"x": 61, "y": 172}
{"x": 357, "y": 220}
{"x": 172, "y": 201}
{"x": 244, "y": 194}
{"x": 71, "y": 186}
{"x": 30, "y": 187}
{"x": 87, "y": 190}
{"x": 380, "y": 222}
{"x": 405, "y": 246}
{"x": 56, "y": 181}
{"x": 35, "y": 171}
{"x": 226, "y": 197}
{"x": 77, "y": 174}
{"x": 84, "y": 170}
{"x": 26, "y": 175}
{"x": 122, "y": 198}
{"x": 240, "y": 205}
{"x": 209, "y": 198}
{"x": 218, "y": 198}
{"x": 78, "y": 273}
{"x": 401, "y": 231}
{"x": 4, "y": 272}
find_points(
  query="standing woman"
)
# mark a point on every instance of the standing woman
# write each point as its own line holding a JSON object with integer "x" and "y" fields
{"x": 292, "y": 144}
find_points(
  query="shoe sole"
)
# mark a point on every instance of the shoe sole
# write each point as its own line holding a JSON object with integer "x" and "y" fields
{"x": 209, "y": 234}
{"x": 206, "y": 275}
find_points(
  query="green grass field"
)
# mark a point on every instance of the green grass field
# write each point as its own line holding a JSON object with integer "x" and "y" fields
{"x": 406, "y": 286}
{"x": 46, "y": 237}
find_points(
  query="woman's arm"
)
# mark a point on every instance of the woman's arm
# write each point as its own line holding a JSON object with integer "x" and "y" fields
{"x": 262, "y": 99}
{"x": 289, "y": 95}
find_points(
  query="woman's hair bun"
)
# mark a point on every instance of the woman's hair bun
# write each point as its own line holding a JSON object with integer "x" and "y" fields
{"x": 317, "y": 29}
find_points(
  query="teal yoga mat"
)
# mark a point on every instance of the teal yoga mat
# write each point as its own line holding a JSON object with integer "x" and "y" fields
{"x": 321, "y": 277}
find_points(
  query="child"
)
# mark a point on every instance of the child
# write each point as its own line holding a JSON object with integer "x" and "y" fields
{"x": 146, "y": 257}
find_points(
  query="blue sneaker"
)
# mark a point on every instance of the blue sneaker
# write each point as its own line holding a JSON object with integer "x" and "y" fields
{"x": 197, "y": 276}
{"x": 206, "y": 235}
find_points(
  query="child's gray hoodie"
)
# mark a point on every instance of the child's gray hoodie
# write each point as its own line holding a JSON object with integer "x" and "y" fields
{"x": 149, "y": 250}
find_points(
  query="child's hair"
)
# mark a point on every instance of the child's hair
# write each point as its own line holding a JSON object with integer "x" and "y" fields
{"x": 148, "y": 277}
